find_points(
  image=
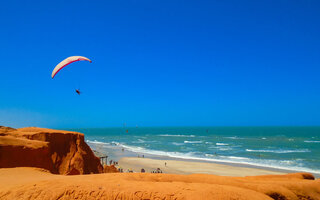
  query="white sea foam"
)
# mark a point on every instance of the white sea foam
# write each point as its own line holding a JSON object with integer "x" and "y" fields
{"x": 115, "y": 143}
{"x": 139, "y": 141}
{"x": 192, "y": 142}
{"x": 177, "y": 143}
{"x": 96, "y": 142}
{"x": 221, "y": 148}
{"x": 221, "y": 144}
{"x": 234, "y": 138}
{"x": 167, "y": 135}
{"x": 225, "y": 148}
{"x": 235, "y": 157}
{"x": 312, "y": 141}
{"x": 279, "y": 150}
{"x": 139, "y": 136}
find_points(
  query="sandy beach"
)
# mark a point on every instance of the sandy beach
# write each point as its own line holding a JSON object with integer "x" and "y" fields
{"x": 188, "y": 167}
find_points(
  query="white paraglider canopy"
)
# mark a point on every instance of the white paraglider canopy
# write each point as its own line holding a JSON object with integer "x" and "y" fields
{"x": 66, "y": 62}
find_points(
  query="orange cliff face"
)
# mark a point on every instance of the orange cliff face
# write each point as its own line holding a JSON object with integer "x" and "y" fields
{"x": 60, "y": 152}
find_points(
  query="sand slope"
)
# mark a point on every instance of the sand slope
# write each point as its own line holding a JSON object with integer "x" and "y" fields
{"x": 32, "y": 183}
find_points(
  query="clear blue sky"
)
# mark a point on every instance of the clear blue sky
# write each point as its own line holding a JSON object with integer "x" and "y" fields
{"x": 160, "y": 63}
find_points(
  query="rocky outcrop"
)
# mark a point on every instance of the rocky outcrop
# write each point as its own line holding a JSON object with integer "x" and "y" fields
{"x": 60, "y": 152}
{"x": 110, "y": 169}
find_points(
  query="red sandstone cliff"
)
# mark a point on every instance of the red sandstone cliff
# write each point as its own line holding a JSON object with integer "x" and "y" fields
{"x": 60, "y": 152}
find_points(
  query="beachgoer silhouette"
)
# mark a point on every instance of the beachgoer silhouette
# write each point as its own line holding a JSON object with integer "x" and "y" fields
{"x": 165, "y": 164}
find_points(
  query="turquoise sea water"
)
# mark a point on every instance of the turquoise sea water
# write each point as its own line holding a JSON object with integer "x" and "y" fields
{"x": 289, "y": 148}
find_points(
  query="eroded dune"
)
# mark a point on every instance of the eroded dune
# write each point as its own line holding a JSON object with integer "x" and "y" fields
{"x": 32, "y": 183}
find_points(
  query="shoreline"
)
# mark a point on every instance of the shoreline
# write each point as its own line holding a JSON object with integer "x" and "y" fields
{"x": 116, "y": 154}
{"x": 240, "y": 165}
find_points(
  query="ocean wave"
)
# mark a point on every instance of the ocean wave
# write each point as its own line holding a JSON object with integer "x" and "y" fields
{"x": 192, "y": 142}
{"x": 235, "y": 157}
{"x": 177, "y": 144}
{"x": 221, "y": 144}
{"x": 221, "y": 148}
{"x": 226, "y": 157}
{"x": 115, "y": 143}
{"x": 279, "y": 151}
{"x": 291, "y": 165}
{"x": 167, "y": 135}
{"x": 312, "y": 141}
{"x": 96, "y": 142}
{"x": 234, "y": 138}
{"x": 139, "y": 141}
{"x": 139, "y": 136}
{"x": 225, "y": 148}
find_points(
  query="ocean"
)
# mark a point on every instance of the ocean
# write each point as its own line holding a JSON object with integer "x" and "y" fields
{"x": 286, "y": 148}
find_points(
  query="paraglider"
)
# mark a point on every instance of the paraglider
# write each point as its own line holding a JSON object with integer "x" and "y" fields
{"x": 66, "y": 62}
{"x": 78, "y": 92}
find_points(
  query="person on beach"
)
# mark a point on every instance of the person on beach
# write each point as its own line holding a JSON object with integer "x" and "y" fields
{"x": 165, "y": 164}
{"x": 120, "y": 169}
